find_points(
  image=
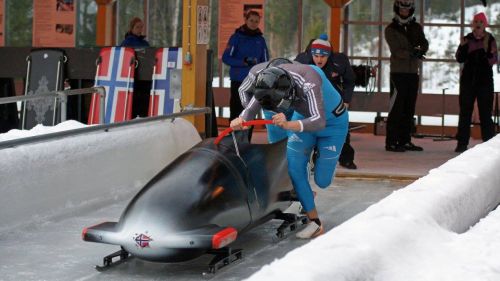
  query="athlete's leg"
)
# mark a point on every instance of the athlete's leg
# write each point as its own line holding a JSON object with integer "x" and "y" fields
{"x": 329, "y": 143}
{"x": 298, "y": 150}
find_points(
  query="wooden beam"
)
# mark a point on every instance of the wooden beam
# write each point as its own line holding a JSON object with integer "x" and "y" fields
{"x": 335, "y": 27}
{"x": 336, "y": 8}
{"x": 104, "y": 32}
{"x": 337, "y": 3}
{"x": 194, "y": 73}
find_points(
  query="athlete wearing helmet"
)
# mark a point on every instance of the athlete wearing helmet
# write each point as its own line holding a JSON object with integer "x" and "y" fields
{"x": 408, "y": 45}
{"x": 319, "y": 119}
{"x": 274, "y": 133}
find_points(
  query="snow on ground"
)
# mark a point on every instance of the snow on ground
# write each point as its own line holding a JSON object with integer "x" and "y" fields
{"x": 41, "y": 130}
{"x": 442, "y": 227}
{"x": 430, "y": 230}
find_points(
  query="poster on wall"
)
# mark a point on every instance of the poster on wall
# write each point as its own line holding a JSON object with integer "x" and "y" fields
{"x": 54, "y": 23}
{"x": 202, "y": 25}
{"x": 1, "y": 23}
{"x": 232, "y": 16}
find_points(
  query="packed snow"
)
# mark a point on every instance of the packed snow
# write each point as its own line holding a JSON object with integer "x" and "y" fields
{"x": 444, "y": 226}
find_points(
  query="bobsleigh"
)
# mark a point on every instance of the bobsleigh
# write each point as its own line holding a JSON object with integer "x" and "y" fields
{"x": 202, "y": 201}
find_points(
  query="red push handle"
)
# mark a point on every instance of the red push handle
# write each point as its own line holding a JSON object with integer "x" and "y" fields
{"x": 247, "y": 123}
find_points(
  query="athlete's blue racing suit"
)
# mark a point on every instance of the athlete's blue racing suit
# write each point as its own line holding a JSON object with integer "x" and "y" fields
{"x": 324, "y": 122}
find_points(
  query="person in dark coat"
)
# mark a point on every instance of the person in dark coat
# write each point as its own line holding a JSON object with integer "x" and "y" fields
{"x": 134, "y": 37}
{"x": 338, "y": 70}
{"x": 246, "y": 48}
{"x": 478, "y": 53}
{"x": 408, "y": 46}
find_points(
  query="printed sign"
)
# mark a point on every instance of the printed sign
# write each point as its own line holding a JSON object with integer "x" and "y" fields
{"x": 202, "y": 25}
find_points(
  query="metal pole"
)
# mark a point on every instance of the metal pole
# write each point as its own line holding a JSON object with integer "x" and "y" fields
{"x": 152, "y": 95}
{"x": 28, "y": 71}
{"x": 64, "y": 102}
{"x": 443, "y": 137}
{"x": 102, "y": 101}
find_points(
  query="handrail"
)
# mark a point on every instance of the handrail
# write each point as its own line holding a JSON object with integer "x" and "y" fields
{"x": 101, "y": 127}
{"x": 62, "y": 96}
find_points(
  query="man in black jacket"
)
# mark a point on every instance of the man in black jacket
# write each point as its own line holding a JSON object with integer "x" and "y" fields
{"x": 338, "y": 70}
{"x": 408, "y": 45}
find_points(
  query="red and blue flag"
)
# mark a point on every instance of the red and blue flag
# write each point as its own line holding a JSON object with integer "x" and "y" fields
{"x": 115, "y": 72}
{"x": 165, "y": 93}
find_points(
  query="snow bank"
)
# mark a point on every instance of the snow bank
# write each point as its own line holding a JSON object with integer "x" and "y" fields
{"x": 421, "y": 232}
{"x": 55, "y": 177}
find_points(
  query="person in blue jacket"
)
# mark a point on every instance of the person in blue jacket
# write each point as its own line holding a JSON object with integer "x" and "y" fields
{"x": 320, "y": 119}
{"x": 134, "y": 37}
{"x": 246, "y": 48}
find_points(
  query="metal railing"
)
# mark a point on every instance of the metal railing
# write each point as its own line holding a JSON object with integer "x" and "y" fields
{"x": 62, "y": 98}
{"x": 101, "y": 127}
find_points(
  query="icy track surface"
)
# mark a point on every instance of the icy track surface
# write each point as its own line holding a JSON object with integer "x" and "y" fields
{"x": 53, "y": 250}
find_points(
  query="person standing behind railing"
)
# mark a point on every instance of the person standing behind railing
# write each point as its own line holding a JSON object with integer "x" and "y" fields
{"x": 135, "y": 39}
{"x": 408, "y": 45}
{"x": 338, "y": 70}
{"x": 478, "y": 53}
{"x": 246, "y": 48}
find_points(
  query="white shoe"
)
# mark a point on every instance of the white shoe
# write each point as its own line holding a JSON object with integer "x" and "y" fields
{"x": 310, "y": 231}
{"x": 295, "y": 208}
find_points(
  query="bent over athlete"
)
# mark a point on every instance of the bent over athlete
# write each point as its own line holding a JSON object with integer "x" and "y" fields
{"x": 319, "y": 119}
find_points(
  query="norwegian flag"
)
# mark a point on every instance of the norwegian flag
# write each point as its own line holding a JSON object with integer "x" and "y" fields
{"x": 115, "y": 72}
{"x": 166, "y": 76}
{"x": 142, "y": 240}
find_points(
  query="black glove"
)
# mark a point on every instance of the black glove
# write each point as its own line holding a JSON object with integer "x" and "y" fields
{"x": 418, "y": 53}
{"x": 250, "y": 61}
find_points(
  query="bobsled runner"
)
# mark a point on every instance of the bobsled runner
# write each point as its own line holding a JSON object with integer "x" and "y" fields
{"x": 202, "y": 201}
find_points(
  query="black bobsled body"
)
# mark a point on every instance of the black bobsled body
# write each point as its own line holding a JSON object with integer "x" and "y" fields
{"x": 201, "y": 201}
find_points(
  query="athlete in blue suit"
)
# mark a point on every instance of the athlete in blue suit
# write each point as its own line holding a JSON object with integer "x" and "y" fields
{"x": 319, "y": 119}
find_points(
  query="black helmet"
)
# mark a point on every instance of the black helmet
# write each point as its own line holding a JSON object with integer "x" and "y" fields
{"x": 278, "y": 61}
{"x": 404, "y": 4}
{"x": 274, "y": 89}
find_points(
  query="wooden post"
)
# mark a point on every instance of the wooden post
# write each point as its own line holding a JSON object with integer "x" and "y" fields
{"x": 104, "y": 34}
{"x": 194, "y": 59}
{"x": 336, "y": 8}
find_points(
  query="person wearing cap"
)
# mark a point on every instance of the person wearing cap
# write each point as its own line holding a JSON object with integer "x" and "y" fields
{"x": 338, "y": 70}
{"x": 478, "y": 53}
{"x": 319, "y": 119}
{"x": 408, "y": 45}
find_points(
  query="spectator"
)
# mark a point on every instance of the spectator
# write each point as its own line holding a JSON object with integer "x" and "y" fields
{"x": 408, "y": 45}
{"x": 338, "y": 70}
{"x": 319, "y": 119}
{"x": 246, "y": 48}
{"x": 134, "y": 37}
{"x": 478, "y": 53}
